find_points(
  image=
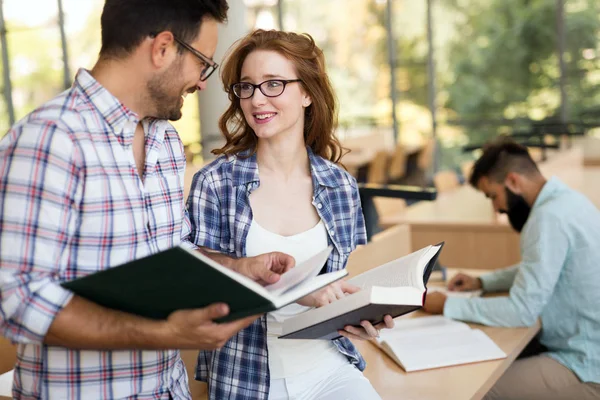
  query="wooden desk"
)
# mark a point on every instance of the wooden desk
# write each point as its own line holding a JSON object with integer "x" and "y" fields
{"x": 475, "y": 236}
{"x": 462, "y": 382}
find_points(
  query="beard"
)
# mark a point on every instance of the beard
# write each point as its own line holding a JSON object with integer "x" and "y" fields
{"x": 164, "y": 101}
{"x": 518, "y": 210}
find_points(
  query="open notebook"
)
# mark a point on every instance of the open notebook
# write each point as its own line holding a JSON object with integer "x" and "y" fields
{"x": 433, "y": 342}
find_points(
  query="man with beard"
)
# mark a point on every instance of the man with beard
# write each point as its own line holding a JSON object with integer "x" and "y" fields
{"x": 558, "y": 279}
{"x": 94, "y": 179}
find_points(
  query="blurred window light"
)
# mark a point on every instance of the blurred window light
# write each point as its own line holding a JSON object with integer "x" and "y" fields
{"x": 589, "y": 54}
{"x": 259, "y": 3}
{"x": 265, "y": 20}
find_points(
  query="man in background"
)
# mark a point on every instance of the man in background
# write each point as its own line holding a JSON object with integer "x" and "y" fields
{"x": 558, "y": 279}
{"x": 94, "y": 179}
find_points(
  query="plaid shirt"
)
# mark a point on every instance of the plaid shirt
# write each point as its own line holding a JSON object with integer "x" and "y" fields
{"x": 72, "y": 203}
{"x": 220, "y": 214}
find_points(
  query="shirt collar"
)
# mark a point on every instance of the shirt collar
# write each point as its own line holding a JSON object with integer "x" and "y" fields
{"x": 115, "y": 113}
{"x": 552, "y": 185}
{"x": 245, "y": 170}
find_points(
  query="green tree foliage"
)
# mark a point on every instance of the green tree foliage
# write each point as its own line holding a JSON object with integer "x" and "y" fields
{"x": 504, "y": 60}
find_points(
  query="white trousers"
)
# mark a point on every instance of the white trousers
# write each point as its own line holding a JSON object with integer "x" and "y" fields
{"x": 343, "y": 383}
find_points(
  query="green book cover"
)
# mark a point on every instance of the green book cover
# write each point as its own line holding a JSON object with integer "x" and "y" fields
{"x": 178, "y": 278}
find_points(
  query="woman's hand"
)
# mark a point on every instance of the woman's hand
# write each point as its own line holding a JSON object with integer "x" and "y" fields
{"x": 328, "y": 294}
{"x": 367, "y": 331}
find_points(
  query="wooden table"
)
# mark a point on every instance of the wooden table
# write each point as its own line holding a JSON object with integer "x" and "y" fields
{"x": 470, "y": 381}
{"x": 460, "y": 382}
{"x": 475, "y": 236}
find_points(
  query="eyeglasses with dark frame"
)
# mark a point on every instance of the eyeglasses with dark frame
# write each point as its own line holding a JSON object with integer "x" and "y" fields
{"x": 209, "y": 65}
{"x": 270, "y": 88}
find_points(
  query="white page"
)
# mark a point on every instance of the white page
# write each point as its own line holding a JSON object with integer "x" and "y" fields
{"x": 453, "y": 293}
{"x": 299, "y": 273}
{"x": 405, "y": 271}
{"x": 444, "y": 349}
{"x": 431, "y": 325}
{"x": 6, "y": 381}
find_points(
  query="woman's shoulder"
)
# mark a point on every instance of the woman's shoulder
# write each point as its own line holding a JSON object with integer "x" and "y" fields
{"x": 341, "y": 176}
{"x": 215, "y": 172}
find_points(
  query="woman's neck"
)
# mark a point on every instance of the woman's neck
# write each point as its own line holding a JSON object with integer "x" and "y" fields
{"x": 284, "y": 159}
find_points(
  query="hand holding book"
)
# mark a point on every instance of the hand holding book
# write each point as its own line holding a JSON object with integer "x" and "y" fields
{"x": 329, "y": 294}
{"x": 337, "y": 291}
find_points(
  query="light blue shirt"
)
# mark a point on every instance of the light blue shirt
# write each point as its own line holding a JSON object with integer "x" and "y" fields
{"x": 558, "y": 280}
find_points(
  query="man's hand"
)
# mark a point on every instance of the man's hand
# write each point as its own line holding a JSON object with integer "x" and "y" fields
{"x": 367, "y": 330}
{"x": 463, "y": 283}
{"x": 195, "y": 329}
{"x": 328, "y": 294}
{"x": 264, "y": 269}
{"x": 434, "y": 303}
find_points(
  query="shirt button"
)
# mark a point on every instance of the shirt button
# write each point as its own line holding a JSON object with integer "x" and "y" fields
{"x": 349, "y": 249}
{"x": 319, "y": 206}
{"x": 332, "y": 233}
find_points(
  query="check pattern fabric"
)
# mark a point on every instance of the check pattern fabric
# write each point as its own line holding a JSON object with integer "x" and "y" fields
{"x": 220, "y": 216}
{"x": 71, "y": 204}
{"x": 557, "y": 280}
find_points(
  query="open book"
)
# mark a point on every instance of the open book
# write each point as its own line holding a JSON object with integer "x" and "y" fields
{"x": 434, "y": 342}
{"x": 395, "y": 288}
{"x": 453, "y": 293}
{"x": 180, "y": 278}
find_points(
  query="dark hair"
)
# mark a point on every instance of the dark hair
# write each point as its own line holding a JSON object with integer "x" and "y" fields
{"x": 499, "y": 158}
{"x": 320, "y": 118}
{"x": 125, "y": 23}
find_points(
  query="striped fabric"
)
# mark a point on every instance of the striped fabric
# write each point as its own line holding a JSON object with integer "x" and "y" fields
{"x": 220, "y": 214}
{"x": 72, "y": 203}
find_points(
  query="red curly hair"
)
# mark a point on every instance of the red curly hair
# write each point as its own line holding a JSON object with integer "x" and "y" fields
{"x": 320, "y": 118}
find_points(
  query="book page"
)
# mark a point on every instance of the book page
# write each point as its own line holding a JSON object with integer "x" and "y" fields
{"x": 405, "y": 271}
{"x": 6, "y": 381}
{"x": 444, "y": 349}
{"x": 453, "y": 293}
{"x": 300, "y": 273}
{"x": 431, "y": 325}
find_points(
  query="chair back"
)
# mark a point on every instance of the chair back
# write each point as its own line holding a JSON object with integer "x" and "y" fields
{"x": 445, "y": 181}
{"x": 397, "y": 168}
{"x": 378, "y": 168}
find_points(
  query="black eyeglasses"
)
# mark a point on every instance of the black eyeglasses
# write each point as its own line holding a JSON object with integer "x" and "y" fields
{"x": 270, "y": 88}
{"x": 209, "y": 65}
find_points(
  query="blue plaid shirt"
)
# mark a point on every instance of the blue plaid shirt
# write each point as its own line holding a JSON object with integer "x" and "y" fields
{"x": 220, "y": 215}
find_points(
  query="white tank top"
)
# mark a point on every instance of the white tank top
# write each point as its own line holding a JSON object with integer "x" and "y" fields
{"x": 290, "y": 357}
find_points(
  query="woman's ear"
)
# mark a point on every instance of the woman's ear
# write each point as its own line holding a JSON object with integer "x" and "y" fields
{"x": 307, "y": 101}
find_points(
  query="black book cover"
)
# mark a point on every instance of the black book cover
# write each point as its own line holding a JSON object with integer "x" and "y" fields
{"x": 164, "y": 282}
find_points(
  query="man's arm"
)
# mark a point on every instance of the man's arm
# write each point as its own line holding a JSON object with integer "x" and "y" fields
{"x": 40, "y": 189}
{"x": 499, "y": 281}
{"x": 544, "y": 252}
{"x": 82, "y": 324}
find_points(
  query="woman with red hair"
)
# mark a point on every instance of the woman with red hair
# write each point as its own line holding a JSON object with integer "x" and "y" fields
{"x": 277, "y": 185}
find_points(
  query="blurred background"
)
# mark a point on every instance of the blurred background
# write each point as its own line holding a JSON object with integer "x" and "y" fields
{"x": 457, "y": 72}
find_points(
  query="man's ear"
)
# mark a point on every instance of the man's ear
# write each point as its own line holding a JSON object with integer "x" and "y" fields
{"x": 162, "y": 51}
{"x": 514, "y": 182}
